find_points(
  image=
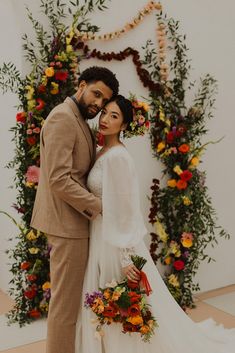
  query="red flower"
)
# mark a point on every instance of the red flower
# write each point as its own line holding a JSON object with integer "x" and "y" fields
{"x": 186, "y": 175}
{"x": 134, "y": 310}
{"x": 147, "y": 124}
{"x": 179, "y": 265}
{"x": 61, "y": 75}
{"x": 31, "y": 278}
{"x": 99, "y": 139}
{"x": 110, "y": 311}
{"x": 41, "y": 88}
{"x": 34, "y": 313}
{"x": 184, "y": 148}
{"x": 31, "y": 140}
{"x": 24, "y": 265}
{"x": 170, "y": 137}
{"x": 128, "y": 327}
{"x": 181, "y": 184}
{"x": 41, "y": 104}
{"x": 30, "y": 294}
{"x": 21, "y": 117}
{"x": 134, "y": 297}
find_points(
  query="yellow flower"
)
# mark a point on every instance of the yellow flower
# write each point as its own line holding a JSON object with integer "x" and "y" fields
{"x": 194, "y": 161}
{"x": 186, "y": 201}
{"x": 30, "y": 93}
{"x": 31, "y": 104}
{"x": 161, "y": 114}
{"x": 69, "y": 37}
{"x": 29, "y": 185}
{"x": 54, "y": 88}
{"x": 34, "y": 251}
{"x": 31, "y": 235}
{"x": 46, "y": 285}
{"x": 145, "y": 106}
{"x": 161, "y": 146}
{"x": 161, "y": 231}
{"x": 175, "y": 249}
{"x": 178, "y": 170}
{"x": 135, "y": 320}
{"x": 44, "y": 80}
{"x": 69, "y": 48}
{"x": 49, "y": 71}
{"x": 173, "y": 280}
{"x": 171, "y": 183}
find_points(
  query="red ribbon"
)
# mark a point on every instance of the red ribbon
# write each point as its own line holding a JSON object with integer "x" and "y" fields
{"x": 145, "y": 283}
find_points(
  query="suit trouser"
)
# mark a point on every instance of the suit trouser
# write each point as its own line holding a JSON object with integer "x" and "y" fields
{"x": 68, "y": 260}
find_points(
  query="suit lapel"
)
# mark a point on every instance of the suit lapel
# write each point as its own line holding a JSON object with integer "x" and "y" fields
{"x": 84, "y": 126}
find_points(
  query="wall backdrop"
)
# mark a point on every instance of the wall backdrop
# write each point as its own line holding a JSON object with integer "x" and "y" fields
{"x": 210, "y": 28}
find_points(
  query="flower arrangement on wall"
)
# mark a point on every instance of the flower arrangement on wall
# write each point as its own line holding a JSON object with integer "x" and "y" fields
{"x": 181, "y": 210}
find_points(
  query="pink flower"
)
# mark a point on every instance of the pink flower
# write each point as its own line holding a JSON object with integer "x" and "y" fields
{"x": 32, "y": 175}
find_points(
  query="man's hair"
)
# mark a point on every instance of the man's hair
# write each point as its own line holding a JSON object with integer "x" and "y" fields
{"x": 98, "y": 73}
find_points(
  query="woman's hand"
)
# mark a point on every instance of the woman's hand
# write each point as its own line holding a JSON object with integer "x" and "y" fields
{"x": 131, "y": 272}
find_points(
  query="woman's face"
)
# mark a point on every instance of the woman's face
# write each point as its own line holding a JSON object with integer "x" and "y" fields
{"x": 111, "y": 120}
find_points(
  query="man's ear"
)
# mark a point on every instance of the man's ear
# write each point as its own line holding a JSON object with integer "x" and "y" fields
{"x": 82, "y": 85}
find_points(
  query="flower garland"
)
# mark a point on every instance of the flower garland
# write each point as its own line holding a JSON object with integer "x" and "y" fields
{"x": 122, "y": 55}
{"x": 150, "y": 7}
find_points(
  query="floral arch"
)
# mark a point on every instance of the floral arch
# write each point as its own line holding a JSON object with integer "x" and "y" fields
{"x": 183, "y": 219}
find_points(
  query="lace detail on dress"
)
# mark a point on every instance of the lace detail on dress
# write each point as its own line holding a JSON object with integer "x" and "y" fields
{"x": 125, "y": 256}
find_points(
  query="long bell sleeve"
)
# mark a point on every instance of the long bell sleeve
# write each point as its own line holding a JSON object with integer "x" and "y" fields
{"x": 123, "y": 224}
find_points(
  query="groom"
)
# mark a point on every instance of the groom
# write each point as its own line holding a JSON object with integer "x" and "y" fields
{"x": 63, "y": 205}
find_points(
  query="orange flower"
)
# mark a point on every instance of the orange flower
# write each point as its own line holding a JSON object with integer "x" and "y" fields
{"x": 181, "y": 184}
{"x": 167, "y": 260}
{"x": 49, "y": 71}
{"x": 184, "y": 148}
{"x": 171, "y": 183}
{"x": 144, "y": 329}
{"x": 136, "y": 320}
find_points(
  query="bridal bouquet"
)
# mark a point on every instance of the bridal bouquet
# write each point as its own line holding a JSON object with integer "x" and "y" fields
{"x": 125, "y": 303}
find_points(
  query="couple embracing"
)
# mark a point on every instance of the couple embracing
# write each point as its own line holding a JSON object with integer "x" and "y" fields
{"x": 88, "y": 205}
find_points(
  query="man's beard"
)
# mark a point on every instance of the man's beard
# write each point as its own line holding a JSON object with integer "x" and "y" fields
{"x": 84, "y": 109}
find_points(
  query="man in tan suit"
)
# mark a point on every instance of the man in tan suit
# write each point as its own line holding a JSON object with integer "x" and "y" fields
{"x": 63, "y": 205}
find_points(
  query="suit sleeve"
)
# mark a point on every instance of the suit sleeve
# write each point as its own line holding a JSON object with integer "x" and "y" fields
{"x": 58, "y": 136}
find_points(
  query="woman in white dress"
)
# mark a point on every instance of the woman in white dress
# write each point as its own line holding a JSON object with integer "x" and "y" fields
{"x": 114, "y": 237}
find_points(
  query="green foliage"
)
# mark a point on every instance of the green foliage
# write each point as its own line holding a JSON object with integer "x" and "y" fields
{"x": 54, "y": 69}
{"x": 181, "y": 209}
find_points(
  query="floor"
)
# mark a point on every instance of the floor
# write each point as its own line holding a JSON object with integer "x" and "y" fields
{"x": 218, "y": 304}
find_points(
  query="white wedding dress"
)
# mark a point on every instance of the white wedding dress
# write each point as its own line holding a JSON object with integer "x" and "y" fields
{"x": 113, "y": 237}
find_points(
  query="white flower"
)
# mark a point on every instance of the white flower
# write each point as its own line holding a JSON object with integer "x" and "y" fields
{"x": 112, "y": 284}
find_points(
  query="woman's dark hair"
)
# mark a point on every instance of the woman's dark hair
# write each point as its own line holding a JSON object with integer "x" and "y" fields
{"x": 126, "y": 108}
{"x": 98, "y": 73}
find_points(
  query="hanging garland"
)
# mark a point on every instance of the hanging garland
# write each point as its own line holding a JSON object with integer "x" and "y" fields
{"x": 148, "y": 9}
{"x": 177, "y": 208}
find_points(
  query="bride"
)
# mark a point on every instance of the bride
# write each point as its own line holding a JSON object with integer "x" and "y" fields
{"x": 116, "y": 235}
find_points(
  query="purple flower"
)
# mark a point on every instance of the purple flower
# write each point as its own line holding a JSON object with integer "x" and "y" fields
{"x": 90, "y": 298}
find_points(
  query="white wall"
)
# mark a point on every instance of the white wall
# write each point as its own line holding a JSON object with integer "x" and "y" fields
{"x": 209, "y": 30}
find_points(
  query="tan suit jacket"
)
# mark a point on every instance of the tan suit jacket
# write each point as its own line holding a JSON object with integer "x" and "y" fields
{"x": 63, "y": 205}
